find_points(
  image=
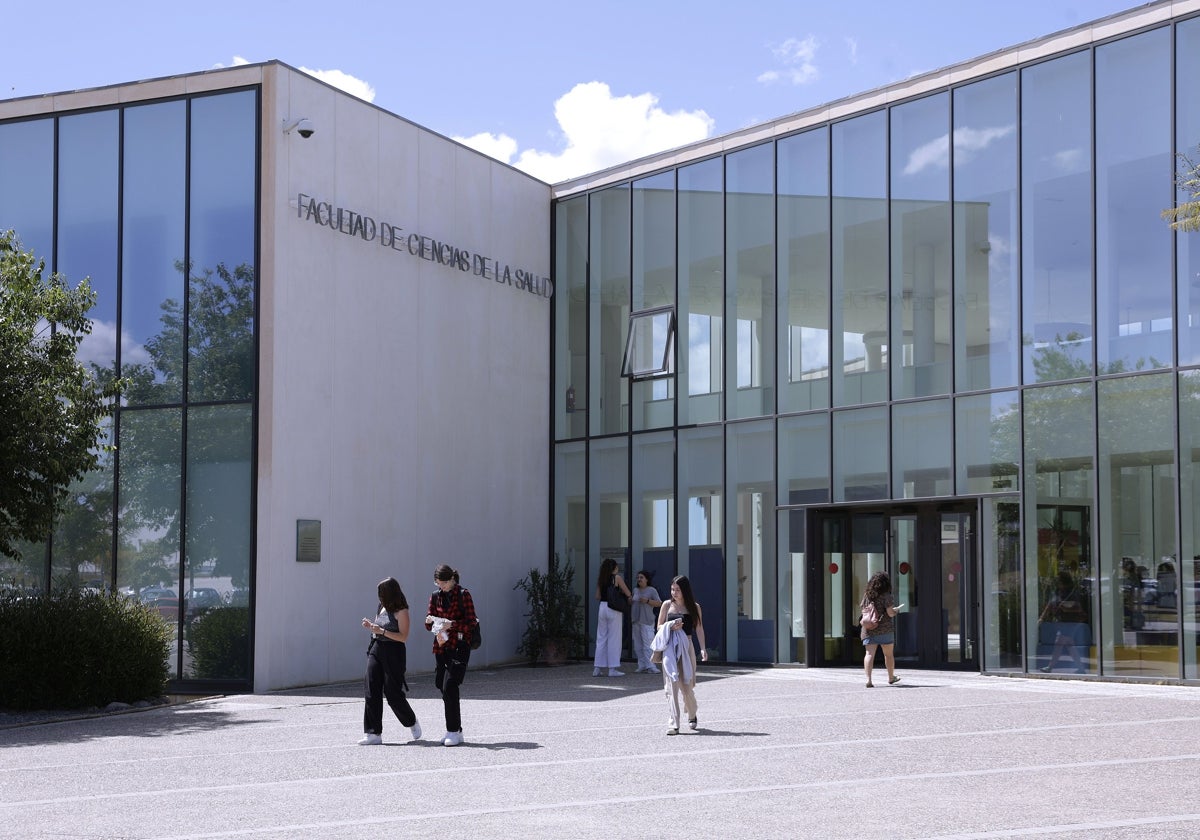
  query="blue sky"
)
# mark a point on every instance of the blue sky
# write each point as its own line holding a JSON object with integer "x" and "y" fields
{"x": 558, "y": 89}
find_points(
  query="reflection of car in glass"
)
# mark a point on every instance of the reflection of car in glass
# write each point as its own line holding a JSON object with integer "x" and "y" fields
{"x": 200, "y": 600}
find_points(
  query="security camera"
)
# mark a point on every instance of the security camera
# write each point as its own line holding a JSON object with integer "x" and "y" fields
{"x": 301, "y": 125}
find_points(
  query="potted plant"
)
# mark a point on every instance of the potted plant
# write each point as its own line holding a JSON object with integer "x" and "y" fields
{"x": 555, "y": 612}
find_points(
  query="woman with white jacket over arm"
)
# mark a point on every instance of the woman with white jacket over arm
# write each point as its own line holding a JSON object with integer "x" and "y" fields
{"x": 681, "y": 618}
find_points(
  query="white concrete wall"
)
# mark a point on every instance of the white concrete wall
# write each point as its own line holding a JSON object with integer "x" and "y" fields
{"x": 403, "y": 403}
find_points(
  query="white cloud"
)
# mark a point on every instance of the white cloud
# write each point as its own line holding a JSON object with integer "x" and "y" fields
{"x": 852, "y": 49}
{"x": 599, "y": 130}
{"x": 798, "y": 58}
{"x": 344, "y": 81}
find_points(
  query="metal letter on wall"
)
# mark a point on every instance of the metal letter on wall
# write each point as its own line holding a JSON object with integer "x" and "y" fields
{"x": 308, "y": 540}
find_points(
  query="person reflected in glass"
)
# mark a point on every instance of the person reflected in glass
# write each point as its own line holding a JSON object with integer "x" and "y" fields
{"x": 1065, "y": 616}
{"x": 644, "y": 619}
{"x": 878, "y": 593}
{"x": 387, "y": 660}
{"x": 679, "y": 620}
{"x": 609, "y": 622}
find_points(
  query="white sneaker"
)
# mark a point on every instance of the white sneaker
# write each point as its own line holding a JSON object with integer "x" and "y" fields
{"x": 615, "y": 672}
{"x": 595, "y": 672}
{"x": 415, "y": 729}
{"x": 452, "y": 739}
{"x": 653, "y": 670}
{"x": 370, "y": 740}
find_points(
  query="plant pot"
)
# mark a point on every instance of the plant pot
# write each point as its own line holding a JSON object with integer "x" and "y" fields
{"x": 554, "y": 652}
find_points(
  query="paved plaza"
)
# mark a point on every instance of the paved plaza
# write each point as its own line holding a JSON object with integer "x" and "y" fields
{"x": 556, "y": 753}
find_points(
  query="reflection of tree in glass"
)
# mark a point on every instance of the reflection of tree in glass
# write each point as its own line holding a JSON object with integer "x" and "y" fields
{"x": 220, "y": 342}
{"x": 220, "y": 367}
{"x": 1057, "y": 362}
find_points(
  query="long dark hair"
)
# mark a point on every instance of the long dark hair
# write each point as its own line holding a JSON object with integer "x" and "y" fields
{"x": 391, "y": 596}
{"x": 608, "y": 568}
{"x": 878, "y": 586}
{"x": 685, "y": 589}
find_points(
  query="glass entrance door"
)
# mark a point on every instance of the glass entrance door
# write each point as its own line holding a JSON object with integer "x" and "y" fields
{"x": 929, "y": 553}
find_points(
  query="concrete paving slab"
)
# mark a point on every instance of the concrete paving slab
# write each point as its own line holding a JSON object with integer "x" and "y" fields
{"x": 557, "y": 753}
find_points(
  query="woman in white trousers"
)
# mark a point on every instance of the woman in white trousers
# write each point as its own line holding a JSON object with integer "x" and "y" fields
{"x": 609, "y": 623}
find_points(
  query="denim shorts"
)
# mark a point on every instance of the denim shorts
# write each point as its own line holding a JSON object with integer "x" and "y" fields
{"x": 880, "y": 639}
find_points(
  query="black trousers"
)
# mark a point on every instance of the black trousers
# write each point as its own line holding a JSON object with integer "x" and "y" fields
{"x": 386, "y": 662}
{"x": 451, "y": 671}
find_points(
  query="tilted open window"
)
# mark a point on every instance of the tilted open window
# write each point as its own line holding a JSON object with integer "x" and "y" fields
{"x": 650, "y": 348}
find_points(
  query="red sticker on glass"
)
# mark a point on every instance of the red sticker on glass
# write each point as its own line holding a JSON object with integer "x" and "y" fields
{"x": 905, "y": 568}
{"x": 833, "y": 567}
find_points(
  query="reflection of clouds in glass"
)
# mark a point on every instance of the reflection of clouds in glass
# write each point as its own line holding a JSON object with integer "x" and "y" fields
{"x": 699, "y": 351}
{"x": 814, "y": 352}
{"x": 97, "y": 347}
{"x": 968, "y": 143}
{"x": 1000, "y": 251}
{"x": 1069, "y": 160}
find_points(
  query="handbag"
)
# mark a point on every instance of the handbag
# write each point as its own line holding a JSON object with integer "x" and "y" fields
{"x": 870, "y": 618}
{"x": 617, "y": 600}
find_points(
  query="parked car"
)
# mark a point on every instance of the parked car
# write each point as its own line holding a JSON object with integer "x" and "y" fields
{"x": 200, "y": 600}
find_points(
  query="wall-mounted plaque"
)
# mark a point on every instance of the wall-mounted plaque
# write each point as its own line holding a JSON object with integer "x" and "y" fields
{"x": 308, "y": 540}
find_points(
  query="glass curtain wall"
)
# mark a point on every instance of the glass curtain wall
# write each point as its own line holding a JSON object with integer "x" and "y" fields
{"x": 570, "y": 512}
{"x": 860, "y": 261}
{"x": 920, "y": 265}
{"x": 1187, "y": 143}
{"x": 700, "y": 481}
{"x": 654, "y": 287}
{"x": 1134, "y": 323}
{"x": 802, "y": 219}
{"x": 608, "y": 516}
{"x": 803, "y": 478}
{"x": 157, "y": 203}
{"x": 1189, "y": 505}
{"x": 750, "y": 281}
{"x": 1056, "y": 219}
{"x": 699, "y": 354}
{"x": 986, "y": 235}
{"x": 570, "y": 318}
{"x": 608, "y": 313}
{"x": 1060, "y": 577}
{"x": 653, "y": 510}
{"x": 1138, "y": 555}
{"x": 921, "y": 460}
{"x": 750, "y": 539}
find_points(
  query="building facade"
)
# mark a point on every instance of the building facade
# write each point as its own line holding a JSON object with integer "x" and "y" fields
{"x": 334, "y": 324}
{"x": 940, "y": 330}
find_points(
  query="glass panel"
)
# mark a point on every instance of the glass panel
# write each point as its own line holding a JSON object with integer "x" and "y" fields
{"x": 987, "y": 442}
{"x": 905, "y": 572}
{"x": 570, "y": 317}
{"x": 647, "y": 349}
{"x": 920, "y": 457}
{"x": 986, "y": 235}
{"x": 1056, "y": 235}
{"x": 27, "y": 185}
{"x": 699, "y": 326}
{"x": 750, "y": 537}
{"x": 608, "y": 514}
{"x": 1134, "y": 329}
{"x": 860, "y": 454}
{"x": 653, "y": 512}
{"x": 1000, "y": 542}
{"x": 1059, "y": 440}
{"x": 802, "y": 212}
{"x": 750, "y": 281}
{"x": 835, "y": 591}
{"x": 957, "y": 587}
{"x": 654, "y": 286}
{"x": 81, "y": 547}
{"x": 1189, "y": 504}
{"x": 219, "y": 541}
{"x": 702, "y": 524}
{"x": 152, "y": 234}
{"x": 87, "y": 224}
{"x": 221, "y": 277}
{"x": 860, "y": 261}
{"x": 791, "y": 589}
{"x": 1187, "y": 141}
{"x": 804, "y": 459}
{"x": 921, "y": 277}
{"x": 1138, "y": 552}
{"x": 151, "y": 459}
{"x": 570, "y": 511}
{"x": 609, "y": 311}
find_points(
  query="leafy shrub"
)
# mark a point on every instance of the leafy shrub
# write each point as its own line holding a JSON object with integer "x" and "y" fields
{"x": 73, "y": 650}
{"x": 220, "y": 644}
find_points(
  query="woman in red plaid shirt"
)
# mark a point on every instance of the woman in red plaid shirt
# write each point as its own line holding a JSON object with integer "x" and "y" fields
{"x": 451, "y": 619}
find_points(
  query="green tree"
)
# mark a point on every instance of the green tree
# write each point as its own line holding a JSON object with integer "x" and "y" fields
{"x": 51, "y": 406}
{"x": 1185, "y": 216}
